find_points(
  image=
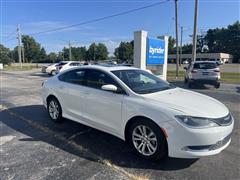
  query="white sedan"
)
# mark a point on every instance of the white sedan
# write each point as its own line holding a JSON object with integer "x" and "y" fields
{"x": 67, "y": 65}
{"x": 157, "y": 118}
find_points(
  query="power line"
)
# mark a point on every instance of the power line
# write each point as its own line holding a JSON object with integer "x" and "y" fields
{"x": 100, "y": 19}
{"x": 9, "y": 35}
{"x": 94, "y": 20}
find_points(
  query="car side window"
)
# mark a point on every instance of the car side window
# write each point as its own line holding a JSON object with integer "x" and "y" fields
{"x": 74, "y": 64}
{"x": 96, "y": 79}
{"x": 75, "y": 77}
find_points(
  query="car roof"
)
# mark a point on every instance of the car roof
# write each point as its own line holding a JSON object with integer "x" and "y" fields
{"x": 105, "y": 67}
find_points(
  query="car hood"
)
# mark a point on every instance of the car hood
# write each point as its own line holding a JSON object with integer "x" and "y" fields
{"x": 188, "y": 103}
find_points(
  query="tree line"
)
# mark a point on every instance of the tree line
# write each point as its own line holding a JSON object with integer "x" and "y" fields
{"x": 35, "y": 53}
{"x": 226, "y": 40}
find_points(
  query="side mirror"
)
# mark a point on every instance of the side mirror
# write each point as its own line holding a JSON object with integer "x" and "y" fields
{"x": 109, "y": 87}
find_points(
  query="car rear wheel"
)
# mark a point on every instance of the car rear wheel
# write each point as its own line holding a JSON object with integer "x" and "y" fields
{"x": 190, "y": 84}
{"x": 53, "y": 72}
{"x": 54, "y": 110}
{"x": 217, "y": 85}
{"x": 148, "y": 140}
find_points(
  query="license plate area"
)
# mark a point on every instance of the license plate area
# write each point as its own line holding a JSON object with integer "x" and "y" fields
{"x": 205, "y": 73}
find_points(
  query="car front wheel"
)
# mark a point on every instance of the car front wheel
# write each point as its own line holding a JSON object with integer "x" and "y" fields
{"x": 54, "y": 110}
{"x": 148, "y": 140}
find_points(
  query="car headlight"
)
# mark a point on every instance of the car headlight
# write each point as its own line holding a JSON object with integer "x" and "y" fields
{"x": 196, "y": 122}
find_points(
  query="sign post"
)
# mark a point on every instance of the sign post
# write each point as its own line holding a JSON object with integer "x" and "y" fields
{"x": 151, "y": 53}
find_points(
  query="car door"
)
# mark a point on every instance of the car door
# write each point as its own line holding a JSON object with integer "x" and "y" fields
{"x": 102, "y": 108}
{"x": 70, "y": 90}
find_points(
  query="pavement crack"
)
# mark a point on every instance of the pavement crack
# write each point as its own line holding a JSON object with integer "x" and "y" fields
{"x": 79, "y": 133}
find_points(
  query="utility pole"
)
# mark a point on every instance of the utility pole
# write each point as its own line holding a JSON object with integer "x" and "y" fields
{"x": 94, "y": 55}
{"x": 180, "y": 57}
{"x": 19, "y": 45}
{"x": 177, "y": 50}
{"x": 23, "y": 55}
{"x": 195, "y": 32}
{"x": 70, "y": 51}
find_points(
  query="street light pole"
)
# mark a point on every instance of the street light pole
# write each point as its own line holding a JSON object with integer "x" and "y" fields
{"x": 195, "y": 32}
{"x": 70, "y": 51}
{"x": 19, "y": 45}
{"x": 180, "y": 57}
{"x": 177, "y": 48}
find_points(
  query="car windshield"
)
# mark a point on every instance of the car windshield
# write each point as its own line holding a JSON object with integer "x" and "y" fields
{"x": 141, "y": 81}
{"x": 205, "y": 66}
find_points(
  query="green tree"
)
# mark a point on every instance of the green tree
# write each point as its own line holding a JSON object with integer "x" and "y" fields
{"x": 101, "y": 52}
{"x": 60, "y": 56}
{"x": 4, "y": 55}
{"x": 32, "y": 49}
{"x": 65, "y": 52}
{"x": 14, "y": 54}
{"x": 225, "y": 40}
{"x": 52, "y": 57}
{"x": 201, "y": 44}
{"x": 79, "y": 53}
{"x": 42, "y": 55}
{"x": 91, "y": 52}
{"x": 124, "y": 52}
{"x": 187, "y": 49}
{"x": 171, "y": 45}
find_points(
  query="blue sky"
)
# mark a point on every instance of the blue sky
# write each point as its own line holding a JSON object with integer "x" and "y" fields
{"x": 40, "y": 15}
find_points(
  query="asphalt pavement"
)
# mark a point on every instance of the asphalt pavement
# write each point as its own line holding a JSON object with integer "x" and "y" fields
{"x": 34, "y": 147}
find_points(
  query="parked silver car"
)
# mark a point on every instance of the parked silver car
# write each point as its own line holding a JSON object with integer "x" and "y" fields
{"x": 205, "y": 72}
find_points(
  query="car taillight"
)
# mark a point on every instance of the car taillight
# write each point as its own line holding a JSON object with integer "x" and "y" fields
{"x": 194, "y": 71}
{"x": 216, "y": 70}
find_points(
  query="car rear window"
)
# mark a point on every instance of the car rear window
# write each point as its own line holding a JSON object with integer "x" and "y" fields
{"x": 205, "y": 66}
{"x": 62, "y": 63}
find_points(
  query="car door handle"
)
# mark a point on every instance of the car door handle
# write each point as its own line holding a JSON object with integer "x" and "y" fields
{"x": 84, "y": 92}
{"x": 61, "y": 87}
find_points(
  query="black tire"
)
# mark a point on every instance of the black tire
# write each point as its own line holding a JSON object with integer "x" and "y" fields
{"x": 58, "y": 118}
{"x": 53, "y": 72}
{"x": 217, "y": 85}
{"x": 190, "y": 84}
{"x": 161, "y": 143}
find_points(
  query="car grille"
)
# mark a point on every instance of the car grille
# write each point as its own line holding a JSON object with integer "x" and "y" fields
{"x": 224, "y": 121}
{"x": 215, "y": 146}
{"x": 220, "y": 143}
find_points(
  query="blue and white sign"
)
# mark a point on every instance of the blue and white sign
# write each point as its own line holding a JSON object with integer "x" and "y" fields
{"x": 155, "y": 51}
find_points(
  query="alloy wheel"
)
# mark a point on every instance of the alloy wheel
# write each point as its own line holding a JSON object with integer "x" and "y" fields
{"x": 144, "y": 140}
{"x": 53, "y": 109}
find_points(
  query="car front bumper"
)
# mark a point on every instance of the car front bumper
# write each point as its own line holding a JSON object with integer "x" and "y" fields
{"x": 184, "y": 142}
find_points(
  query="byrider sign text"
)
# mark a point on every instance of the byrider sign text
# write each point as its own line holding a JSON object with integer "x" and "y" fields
{"x": 155, "y": 51}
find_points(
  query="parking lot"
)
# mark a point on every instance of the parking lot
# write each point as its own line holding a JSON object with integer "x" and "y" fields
{"x": 33, "y": 147}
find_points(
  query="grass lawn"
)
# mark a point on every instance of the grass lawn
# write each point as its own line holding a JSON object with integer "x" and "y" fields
{"x": 18, "y": 68}
{"x": 226, "y": 77}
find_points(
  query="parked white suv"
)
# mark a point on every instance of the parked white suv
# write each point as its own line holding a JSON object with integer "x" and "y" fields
{"x": 157, "y": 118}
{"x": 206, "y": 72}
{"x": 67, "y": 65}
